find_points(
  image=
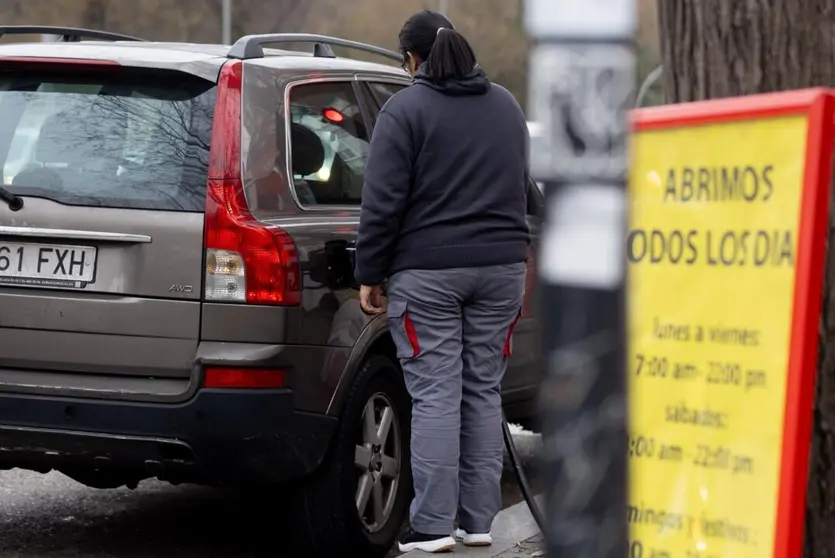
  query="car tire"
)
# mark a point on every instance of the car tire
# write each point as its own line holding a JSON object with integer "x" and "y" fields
{"x": 327, "y": 520}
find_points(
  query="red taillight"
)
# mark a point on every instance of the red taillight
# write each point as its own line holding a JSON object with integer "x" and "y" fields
{"x": 243, "y": 378}
{"x": 225, "y": 152}
{"x": 246, "y": 260}
{"x": 241, "y": 247}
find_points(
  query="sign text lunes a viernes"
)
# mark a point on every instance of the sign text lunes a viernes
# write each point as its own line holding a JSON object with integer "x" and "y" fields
{"x": 712, "y": 250}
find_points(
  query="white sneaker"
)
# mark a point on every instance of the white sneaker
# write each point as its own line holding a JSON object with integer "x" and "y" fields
{"x": 472, "y": 539}
{"x": 426, "y": 543}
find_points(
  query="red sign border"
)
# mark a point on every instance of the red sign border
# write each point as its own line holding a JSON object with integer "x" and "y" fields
{"x": 818, "y": 105}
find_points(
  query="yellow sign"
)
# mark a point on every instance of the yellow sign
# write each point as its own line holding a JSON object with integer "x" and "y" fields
{"x": 712, "y": 249}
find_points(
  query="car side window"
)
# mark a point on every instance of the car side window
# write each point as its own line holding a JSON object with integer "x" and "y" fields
{"x": 329, "y": 143}
{"x": 383, "y": 91}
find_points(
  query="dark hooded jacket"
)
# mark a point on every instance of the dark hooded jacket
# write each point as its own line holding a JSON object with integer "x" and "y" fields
{"x": 445, "y": 185}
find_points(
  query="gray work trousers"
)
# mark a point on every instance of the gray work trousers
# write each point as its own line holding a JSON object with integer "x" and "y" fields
{"x": 452, "y": 331}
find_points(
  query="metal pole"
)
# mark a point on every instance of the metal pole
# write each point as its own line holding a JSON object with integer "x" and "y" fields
{"x": 582, "y": 81}
{"x": 227, "y": 22}
{"x": 443, "y": 7}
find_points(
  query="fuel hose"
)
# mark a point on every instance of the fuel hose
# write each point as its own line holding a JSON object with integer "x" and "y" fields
{"x": 521, "y": 476}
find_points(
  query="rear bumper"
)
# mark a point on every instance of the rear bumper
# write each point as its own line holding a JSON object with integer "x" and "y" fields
{"x": 239, "y": 437}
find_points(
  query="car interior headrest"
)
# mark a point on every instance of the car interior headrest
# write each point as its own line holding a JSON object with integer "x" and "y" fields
{"x": 308, "y": 153}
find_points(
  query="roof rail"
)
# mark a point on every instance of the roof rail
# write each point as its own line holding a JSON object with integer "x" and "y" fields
{"x": 251, "y": 46}
{"x": 68, "y": 34}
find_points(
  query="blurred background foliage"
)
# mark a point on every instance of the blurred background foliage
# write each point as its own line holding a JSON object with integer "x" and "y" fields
{"x": 494, "y": 27}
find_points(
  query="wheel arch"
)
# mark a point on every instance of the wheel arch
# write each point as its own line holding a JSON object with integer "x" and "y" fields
{"x": 374, "y": 339}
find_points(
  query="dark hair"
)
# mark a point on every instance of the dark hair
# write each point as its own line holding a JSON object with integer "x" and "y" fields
{"x": 444, "y": 51}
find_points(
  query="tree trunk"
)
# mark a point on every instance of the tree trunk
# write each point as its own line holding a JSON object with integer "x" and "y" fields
{"x": 721, "y": 48}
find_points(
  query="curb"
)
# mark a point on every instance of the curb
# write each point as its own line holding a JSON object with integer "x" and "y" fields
{"x": 512, "y": 526}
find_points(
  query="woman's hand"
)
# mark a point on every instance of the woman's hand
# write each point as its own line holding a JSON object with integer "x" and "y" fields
{"x": 371, "y": 299}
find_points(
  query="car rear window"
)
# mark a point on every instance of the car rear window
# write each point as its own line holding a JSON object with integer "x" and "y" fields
{"x": 118, "y": 137}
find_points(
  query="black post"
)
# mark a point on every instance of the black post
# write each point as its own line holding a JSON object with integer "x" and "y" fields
{"x": 582, "y": 84}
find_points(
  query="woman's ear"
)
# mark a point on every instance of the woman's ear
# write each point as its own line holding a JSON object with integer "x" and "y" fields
{"x": 413, "y": 63}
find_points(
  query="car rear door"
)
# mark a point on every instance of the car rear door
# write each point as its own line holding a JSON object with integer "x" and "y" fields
{"x": 329, "y": 140}
{"x": 101, "y": 269}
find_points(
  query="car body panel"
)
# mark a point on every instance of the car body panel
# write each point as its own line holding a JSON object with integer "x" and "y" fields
{"x": 101, "y": 270}
{"x": 120, "y": 324}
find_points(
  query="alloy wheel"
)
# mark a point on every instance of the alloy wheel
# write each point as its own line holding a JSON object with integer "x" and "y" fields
{"x": 377, "y": 458}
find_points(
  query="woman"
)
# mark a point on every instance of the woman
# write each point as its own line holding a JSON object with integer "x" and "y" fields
{"x": 443, "y": 220}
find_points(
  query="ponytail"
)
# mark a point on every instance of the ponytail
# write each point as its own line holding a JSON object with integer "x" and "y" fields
{"x": 451, "y": 56}
{"x": 444, "y": 52}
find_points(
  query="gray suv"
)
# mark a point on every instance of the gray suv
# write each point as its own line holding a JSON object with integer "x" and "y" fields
{"x": 177, "y": 224}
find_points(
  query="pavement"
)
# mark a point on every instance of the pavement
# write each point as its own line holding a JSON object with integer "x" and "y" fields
{"x": 52, "y": 516}
{"x": 531, "y": 548}
{"x": 515, "y": 533}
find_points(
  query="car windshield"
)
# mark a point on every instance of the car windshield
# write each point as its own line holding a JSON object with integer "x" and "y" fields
{"x": 125, "y": 138}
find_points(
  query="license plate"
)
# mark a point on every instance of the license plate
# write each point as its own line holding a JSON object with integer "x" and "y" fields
{"x": 47, "y": 265}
